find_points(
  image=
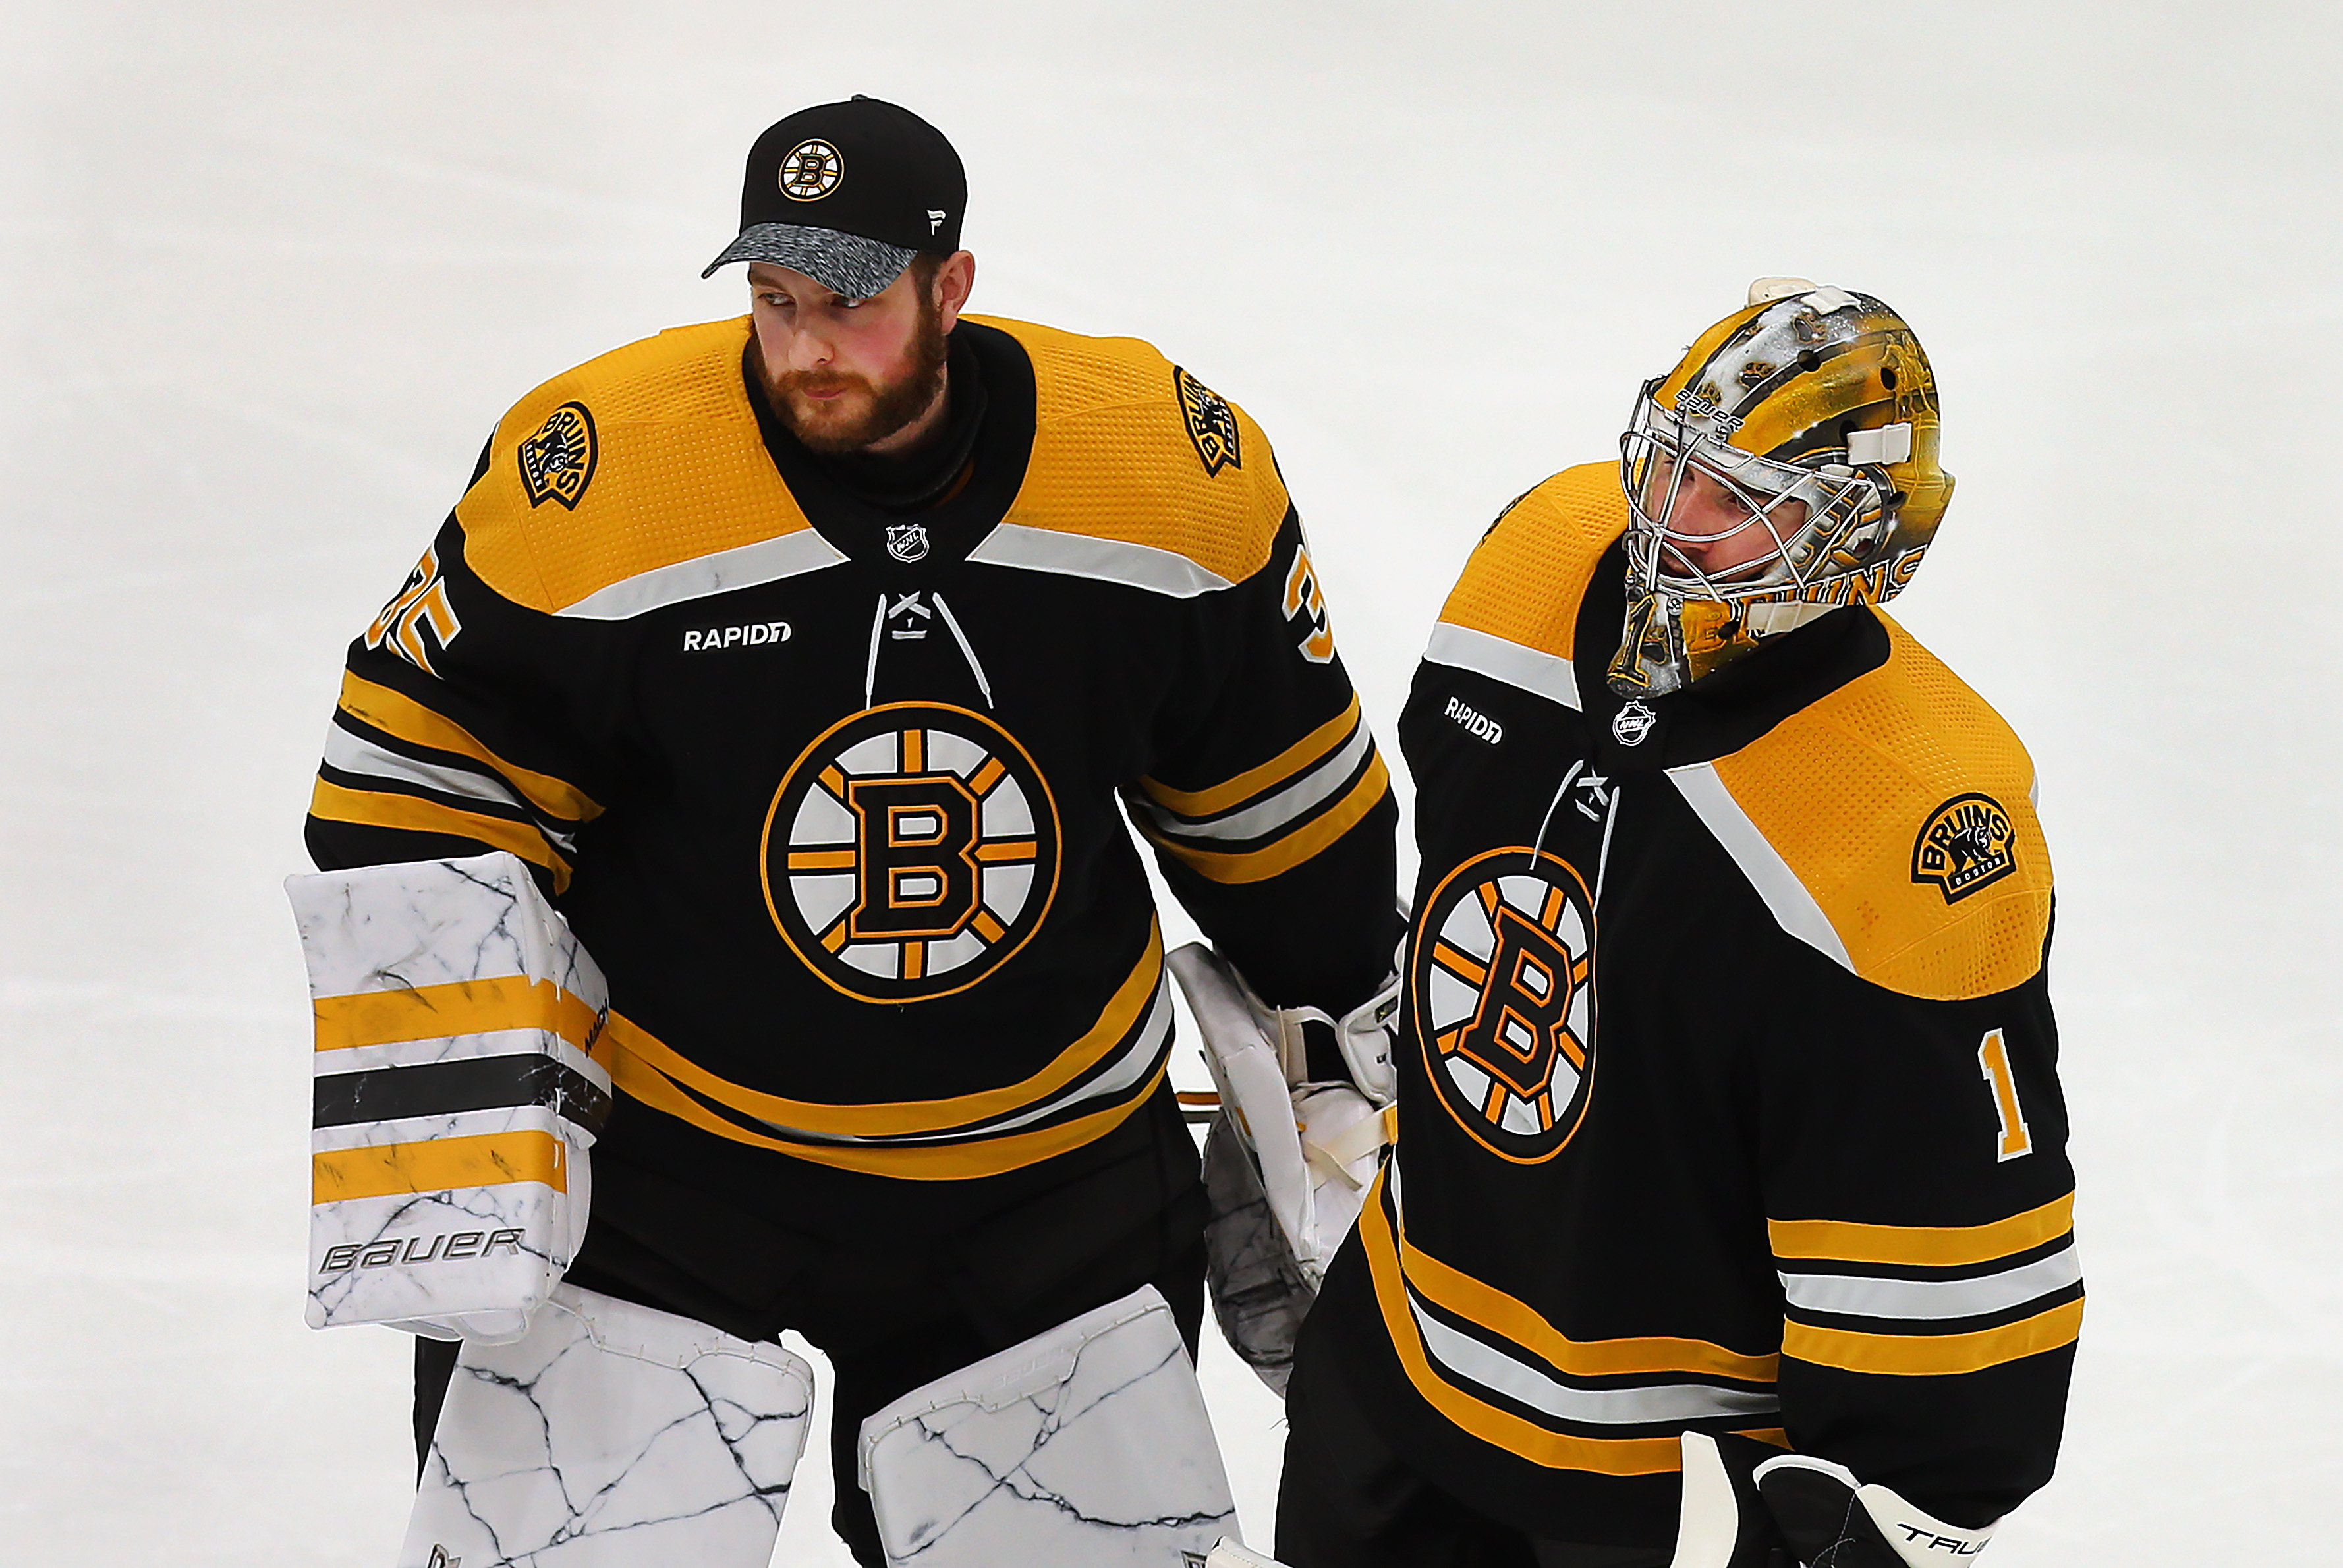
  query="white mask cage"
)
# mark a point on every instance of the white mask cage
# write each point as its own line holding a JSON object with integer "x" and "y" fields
{"x": 1843, "y": 515}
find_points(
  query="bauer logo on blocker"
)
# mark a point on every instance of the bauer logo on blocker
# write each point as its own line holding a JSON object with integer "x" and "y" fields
{"x": 910, "y": 851}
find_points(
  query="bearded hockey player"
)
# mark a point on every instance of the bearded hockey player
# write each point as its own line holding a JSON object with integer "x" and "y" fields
{"x": 1729, "y": 1214}
{"x": 812, "y": 662}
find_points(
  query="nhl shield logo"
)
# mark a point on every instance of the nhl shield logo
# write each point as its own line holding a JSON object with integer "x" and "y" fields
{"x": 812, "y": 169}
{"x": 908, "y": 542}
{"x": 1965, "y": 844}
{"x": 1211, "y": 422}
{"x": 557, "y": 463}
{"x": 1501, "y": 974}
{"x": 909, "y": 851}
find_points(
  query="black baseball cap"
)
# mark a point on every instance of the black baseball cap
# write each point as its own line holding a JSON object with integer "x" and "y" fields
{"x": 847, "y": 194}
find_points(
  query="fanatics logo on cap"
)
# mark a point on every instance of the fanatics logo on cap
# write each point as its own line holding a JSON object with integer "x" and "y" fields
{"x": 1965, "y": 844}
{"x": 812, "y": 169}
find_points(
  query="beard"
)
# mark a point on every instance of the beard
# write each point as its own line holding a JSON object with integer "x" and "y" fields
{"x": 868, "y": 411}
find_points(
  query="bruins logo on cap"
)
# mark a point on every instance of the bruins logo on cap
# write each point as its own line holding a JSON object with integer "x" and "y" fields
{"x": 812, "y": 170}
{"x": 557, "y": 463}
{"x": 1502, "y": 973}
{"x": 909, "y": 851}
{"x": 1211, "y": 422}
{"x": 1965, "y": 844}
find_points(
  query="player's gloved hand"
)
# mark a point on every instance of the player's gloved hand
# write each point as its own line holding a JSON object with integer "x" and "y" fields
{"x": 1749, "y": 1505}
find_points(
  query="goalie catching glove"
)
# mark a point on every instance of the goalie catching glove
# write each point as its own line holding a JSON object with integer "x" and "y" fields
{"x": 1747, "y": 1504}
{"x": 1291, "y": 1153}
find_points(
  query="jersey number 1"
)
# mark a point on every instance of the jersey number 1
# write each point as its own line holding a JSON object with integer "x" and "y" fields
{"x": 1993, "y": 1056}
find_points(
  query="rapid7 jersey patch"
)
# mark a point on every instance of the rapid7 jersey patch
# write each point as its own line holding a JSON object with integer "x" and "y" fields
{"x": 909, "y": 851}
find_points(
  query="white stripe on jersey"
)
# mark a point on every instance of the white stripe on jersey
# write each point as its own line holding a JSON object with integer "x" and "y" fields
{"x": 1770, "y": 874}
{"x": 1101, "y": 560}
{"x": 1542, "y": 675}
{"x": 749, "y": 566}
{"x": 1867, "y": 1296}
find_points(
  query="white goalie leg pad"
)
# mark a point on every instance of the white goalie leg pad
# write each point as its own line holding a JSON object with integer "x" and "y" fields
{"x": 611, "y": 1436}
{"x": 456, "y": 1093}
{"x": 1083, "y": 1447}
{"x": 1230, "y": 1554}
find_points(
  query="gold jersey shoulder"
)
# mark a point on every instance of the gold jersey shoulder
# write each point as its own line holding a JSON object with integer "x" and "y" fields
{"x": 1131, "y": 447}
{"x": 648, "y": 457}
{"x": 1904, "y": 805}
{"x": 1528, "y": 573}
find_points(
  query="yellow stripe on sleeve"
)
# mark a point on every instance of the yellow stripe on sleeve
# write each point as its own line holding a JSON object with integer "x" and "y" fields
{"x": 458, "y": 1006}
{"x": 394, "y": 713}
{"x": 1933, "y": 1355}
{"x": 1942, "y": 1245}
{"x": 439, "y": 1165}
{"x": 412, "y": 813}
{"x": 1283, "y": 855}
{"x": 1295, "y": 760}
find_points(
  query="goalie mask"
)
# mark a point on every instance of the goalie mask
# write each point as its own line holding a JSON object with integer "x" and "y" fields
{"x": 1788, "y": 466}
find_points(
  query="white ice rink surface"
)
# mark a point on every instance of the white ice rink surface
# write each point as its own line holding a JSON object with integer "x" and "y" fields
{"x": 268, "y": 272}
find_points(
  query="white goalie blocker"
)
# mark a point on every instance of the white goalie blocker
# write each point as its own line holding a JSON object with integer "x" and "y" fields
{"x": 611, "y": 1436}
{"x": 1084, "y": 1447}
{"x": 457, "y": 1092}
{"x": 1288, "y": 1162}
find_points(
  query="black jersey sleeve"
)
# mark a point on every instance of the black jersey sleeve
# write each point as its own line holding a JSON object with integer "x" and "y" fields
{"x": 1920, "y": 1212}
{"x": 1267, "y": 801}
{"x": 456, "y": 732}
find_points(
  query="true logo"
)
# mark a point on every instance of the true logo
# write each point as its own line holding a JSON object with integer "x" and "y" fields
{"x": 1632, "y": 724}
{"x": 557, "y": 463}
{"x": 812, "y": 169}
{"x": 1501, "y": 974}
{"x": 1965, "y": 844}
{"x": 909, "y": 851}
{"x": 908, "y": 542}
{"x": 1211, "y": 422}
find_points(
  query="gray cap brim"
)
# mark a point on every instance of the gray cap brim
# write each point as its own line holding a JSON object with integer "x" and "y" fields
{"x": 845, "y": 263}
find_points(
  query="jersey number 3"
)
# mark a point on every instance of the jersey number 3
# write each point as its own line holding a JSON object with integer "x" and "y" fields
{"x": 1993, "y": 1056}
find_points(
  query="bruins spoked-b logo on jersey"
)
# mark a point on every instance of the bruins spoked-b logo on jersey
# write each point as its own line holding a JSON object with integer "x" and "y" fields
{"x": 557, "y": 463}
{"x": 1502, "y": 971}
{"x": 1965, "y": 844}
{"x": 909, "y": 851}
{"x": 1211, "y": 422}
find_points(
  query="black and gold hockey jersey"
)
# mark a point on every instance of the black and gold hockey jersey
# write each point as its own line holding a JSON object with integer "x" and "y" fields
{"x": 837, "y": 797}
{"x": 1728, "y": 1100}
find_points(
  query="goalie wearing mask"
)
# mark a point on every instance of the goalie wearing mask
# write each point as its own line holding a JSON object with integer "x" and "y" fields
{"x": 1731, "y": 1222}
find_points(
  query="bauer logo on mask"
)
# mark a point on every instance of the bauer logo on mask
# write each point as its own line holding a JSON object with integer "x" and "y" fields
{"x": 1502, "y": 970}
{"x": 910, "y": 850}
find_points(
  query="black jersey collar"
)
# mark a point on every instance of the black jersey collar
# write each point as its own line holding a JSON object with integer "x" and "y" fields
{"x": 1721, "y": 713}
{"x": 993, "y": 429}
